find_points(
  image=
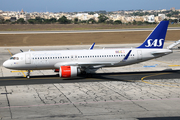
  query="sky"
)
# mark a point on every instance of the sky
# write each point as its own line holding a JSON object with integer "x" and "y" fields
{"x": 86, "y": 5}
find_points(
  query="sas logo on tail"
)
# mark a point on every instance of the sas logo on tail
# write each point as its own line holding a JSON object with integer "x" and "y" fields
{"x": 155, "y": 43}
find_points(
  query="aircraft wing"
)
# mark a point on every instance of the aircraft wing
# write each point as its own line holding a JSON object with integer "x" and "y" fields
{"x": 84, "y": 64}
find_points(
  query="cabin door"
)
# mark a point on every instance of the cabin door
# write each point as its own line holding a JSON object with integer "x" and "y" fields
{"x": 28, "y": 58}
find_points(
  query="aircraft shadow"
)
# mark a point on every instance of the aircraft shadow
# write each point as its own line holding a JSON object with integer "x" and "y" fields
{"x": 98, "y": 77}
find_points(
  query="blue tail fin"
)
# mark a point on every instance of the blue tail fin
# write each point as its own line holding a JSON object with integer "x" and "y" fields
{"x": 157, "y": 37}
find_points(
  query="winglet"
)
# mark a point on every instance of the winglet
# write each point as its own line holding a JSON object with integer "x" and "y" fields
{"x": 92, "y": 46}
{"x": 127, "y": 55}
{"x": 157, "y": 37}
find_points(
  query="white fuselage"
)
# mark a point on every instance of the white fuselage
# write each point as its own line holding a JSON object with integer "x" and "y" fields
{"x": 37, "y": 60}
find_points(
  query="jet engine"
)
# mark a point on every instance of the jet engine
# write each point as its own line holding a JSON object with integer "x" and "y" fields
{"x": 68, "y": 71}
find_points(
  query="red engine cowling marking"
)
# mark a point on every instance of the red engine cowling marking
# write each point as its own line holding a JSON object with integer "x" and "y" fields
{"x": 56, "y": 70}
{"x": 65, "y": 71}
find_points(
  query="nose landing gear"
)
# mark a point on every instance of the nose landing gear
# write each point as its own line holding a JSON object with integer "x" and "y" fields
{"x": 28, "y": 74}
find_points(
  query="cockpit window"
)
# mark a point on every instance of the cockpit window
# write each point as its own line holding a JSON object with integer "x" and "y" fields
{"x": 14, "y": 58}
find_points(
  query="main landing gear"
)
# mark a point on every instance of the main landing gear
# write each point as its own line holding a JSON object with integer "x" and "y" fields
{"x": 86, "y": 74}
{"x": 28, "y": 74}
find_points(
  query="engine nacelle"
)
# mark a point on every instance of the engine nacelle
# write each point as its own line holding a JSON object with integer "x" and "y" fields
{"x": 56, "y": 70}
{"x": 68, "y": 71}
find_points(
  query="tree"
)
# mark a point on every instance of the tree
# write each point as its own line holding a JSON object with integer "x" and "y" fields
{"x": 134, "y": 22}
{"x": 117, "y": 22}
{"x": 146, "y": 22}
{"x": 110, "y": 22}
{"x": 64, "y": 20}
{"x": 31, "y": 21}
{"x": 76, "y": 20}
{"x": 53, "y": 20}
{"x": 7, "y": 22}
{"x": 2, "y": 20}
{"x": 176, "y": 20}
{"x": 169, "y": 15}
{"x": 83, "y": 21}
{"x": 139, "y": 23}
{"x": 20, "y": 21}
{"x": 91, "y": 20}
{"x": 102, "y": 18}
{"x": 39, "y": 20}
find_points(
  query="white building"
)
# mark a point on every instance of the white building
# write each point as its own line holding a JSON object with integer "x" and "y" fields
{"x": 151, "y": 19}
{"x": 162, "y": 16}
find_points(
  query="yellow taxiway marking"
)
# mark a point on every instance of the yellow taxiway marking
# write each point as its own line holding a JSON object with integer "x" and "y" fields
{"x": 128, "y": 74}
{"x": 159, "y": 83}
{"x": 9, "y": 52}
{"x": 173, "y": 65}
{"x": 162, "y": 62}
{"x": 32, "y": 49}
{"x": 22, "y": 72}
{"x": 167, "y": 63}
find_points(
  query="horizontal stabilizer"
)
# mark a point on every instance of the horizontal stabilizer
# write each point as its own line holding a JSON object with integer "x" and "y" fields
{"x": 164, "y": 51}
{"x": 174, "y": 44}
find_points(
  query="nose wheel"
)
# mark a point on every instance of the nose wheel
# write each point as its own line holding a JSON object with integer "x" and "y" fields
{"x": 28, "y": 74}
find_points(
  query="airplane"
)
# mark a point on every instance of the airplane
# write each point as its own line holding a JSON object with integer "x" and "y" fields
{"x": 71, "y": 63}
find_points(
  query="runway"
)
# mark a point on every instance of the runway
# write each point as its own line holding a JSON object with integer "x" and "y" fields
{"x": 148, "y": 90}
{"x": 83, "y": 31}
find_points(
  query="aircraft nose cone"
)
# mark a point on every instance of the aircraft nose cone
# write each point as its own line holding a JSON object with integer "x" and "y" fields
{"x": 6, "y": 64}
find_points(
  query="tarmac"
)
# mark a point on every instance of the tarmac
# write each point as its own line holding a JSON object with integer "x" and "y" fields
{"x": 148, "y": 90}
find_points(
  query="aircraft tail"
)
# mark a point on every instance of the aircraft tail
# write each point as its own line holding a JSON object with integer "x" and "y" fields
{"x": 157, "y": 37}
